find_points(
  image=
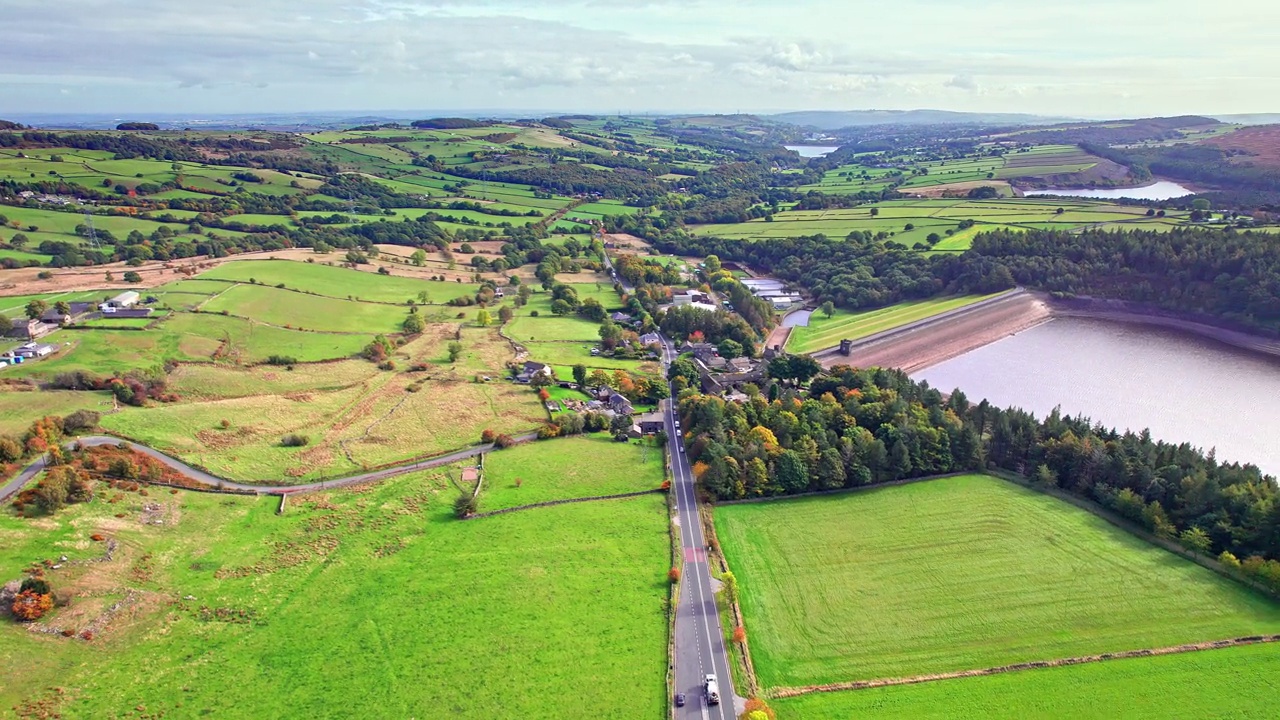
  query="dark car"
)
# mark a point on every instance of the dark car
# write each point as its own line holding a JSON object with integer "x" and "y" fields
{"x": 679, "y": 699}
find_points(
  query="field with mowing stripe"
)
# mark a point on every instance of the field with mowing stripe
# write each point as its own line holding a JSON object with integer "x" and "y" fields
{"x": 1230, "y": 683}
{"x": 960, "y": 573}
{"x": 823, "y": 332}
{"x": 571, "y": 467}
{"x": 376, "y": 598}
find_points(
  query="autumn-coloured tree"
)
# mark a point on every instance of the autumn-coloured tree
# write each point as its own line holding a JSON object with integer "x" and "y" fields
{"x": 488, "y": 436}
{"x": 543, "y": 395}
{"x": 756, "y": 709}
{"x": 739, "y": 634}
{"x": 674, "y": 575}
{"x": 30, "y": 606}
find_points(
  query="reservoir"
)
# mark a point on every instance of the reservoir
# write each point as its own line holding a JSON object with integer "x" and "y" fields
{"x": 1162, "y": 190}
{"x": 1184, "y": 388}
{"x": 812, "y": 151}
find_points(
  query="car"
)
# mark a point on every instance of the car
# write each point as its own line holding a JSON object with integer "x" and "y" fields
{"x": 679, "y": 699}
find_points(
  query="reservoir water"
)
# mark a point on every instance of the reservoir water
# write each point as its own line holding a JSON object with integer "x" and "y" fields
{"x": 812, "y": 151}
{"x": 1162, "y": 190}
{"x": 1184, "y": 388}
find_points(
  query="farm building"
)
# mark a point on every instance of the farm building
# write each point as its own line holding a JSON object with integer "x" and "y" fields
{"x": 620, "y": 404}
{"x": 34, "y": 350}
{"x": 126, "y": 299}
{"x": 32, "y": 329}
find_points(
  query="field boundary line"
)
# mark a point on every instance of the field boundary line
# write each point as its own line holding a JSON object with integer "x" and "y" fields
{"x": 744, "y": 653}
{"x": 787, "y": 692}
{"x": 845, "y": 491}
{"x": 550, "y": 503}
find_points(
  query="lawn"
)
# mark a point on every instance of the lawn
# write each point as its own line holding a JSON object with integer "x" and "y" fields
{"x": 1230, "y": 683}
{"x": 338, "y": 282}
{"x": 376, "y": 598}
{"x": 19, "y": 409}
{"x": 571, "y": 467}
{"x": 960, "y": 573}
{"x": 823, "y": 332}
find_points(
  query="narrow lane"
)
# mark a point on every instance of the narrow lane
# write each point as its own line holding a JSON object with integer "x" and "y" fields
{"x": 699, "y": 644}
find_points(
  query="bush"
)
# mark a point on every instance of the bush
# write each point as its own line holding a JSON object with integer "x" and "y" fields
{"x": 80, "y": 420}
{"x": 281, "y": 360}
{"x": 503, "y": 441}
{"x": 387, "y": 365}
{"x": 31, "y": 606}
{"x": 466, "y": 505}
{"x": 674, "y": 575}
{"x": 488, "y": 436}
{"x": 37, "y": 585}
{"x": 295, "y": 440}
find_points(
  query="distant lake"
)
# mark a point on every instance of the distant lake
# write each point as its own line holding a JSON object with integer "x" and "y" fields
{"x": 812, "y": 151}
{"x": 1184, "y": 388}
{"x": 1162, "y": 190}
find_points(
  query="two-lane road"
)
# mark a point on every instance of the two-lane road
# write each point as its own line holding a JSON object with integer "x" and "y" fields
{"x": 700, "y": 648}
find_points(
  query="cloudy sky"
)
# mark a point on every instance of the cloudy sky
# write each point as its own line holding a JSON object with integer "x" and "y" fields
{"x": 1092, "y": 58}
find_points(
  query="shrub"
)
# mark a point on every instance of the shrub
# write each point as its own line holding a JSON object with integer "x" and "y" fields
{"x": 503, "y": 441}
{"x": 739, "y": 634}
{"x": 674, "y": 575}
{"x": 224, "y": 424}
{"x": 488, "y": 436}
{"x": 37, "y": 585}
{"x": 31, "y": 606}
{"x": 295, "y": 440}
{"x": 387, "y": 365}
{"x": 756, "y": 709}
{"x": 80, "y": 420}
{"x": 548, "y": 431}
{"x": 281, "y": 360}
{"x": 466, "y": 505}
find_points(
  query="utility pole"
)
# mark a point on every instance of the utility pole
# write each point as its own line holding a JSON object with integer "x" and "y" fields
{"x": 93, "y": 234}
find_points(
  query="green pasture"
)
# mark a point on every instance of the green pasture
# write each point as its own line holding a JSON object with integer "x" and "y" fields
{"x": 823, "y": 332}
{"x": 297, "y": 310}
{"x": 1236, "y": 682}
{"x": 571, "y": 467}
{"x": 19, "y": 409}
{"x": 505, "y": 614}
{"x": 960, "y": 573}
{"x": 338, "y": 282}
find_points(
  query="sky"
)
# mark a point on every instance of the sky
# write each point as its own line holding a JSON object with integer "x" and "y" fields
{"x": 1079, "y": 58}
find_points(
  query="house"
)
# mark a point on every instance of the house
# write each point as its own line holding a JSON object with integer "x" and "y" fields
{"x": 703, "y": 351}
{"x": 76, "y": 309}
{"x": 32, "y": 329}
{"x": 650, "y": 423}
{"x": 531, "y": 369}
{"x": 620, "y": 404}
{"x": 497, "y": 293}
{"x": 622, "y": 318}
{"x": 651, "y": 339}
{"x": 741, "y": 364}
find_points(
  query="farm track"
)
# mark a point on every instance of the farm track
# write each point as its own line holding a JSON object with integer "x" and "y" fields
{"x": 214, "y": 483}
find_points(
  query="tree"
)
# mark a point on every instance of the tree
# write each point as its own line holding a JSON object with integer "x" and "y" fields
{"x": 419, "y": 257}
{"x": 132, "y": 277}
{"x": 712, "y": 264}
{"x": 560, "y": 307}
{"x": 791, "y": 473}
{"x": 505, "y": 314}
{"x": 828, "y": 308}
{"x": 36, "y": 308}
{"x": 413, "y": 324}
{"x": 899, "y": 460}
{"x": 729, "y": 349}
{"x": 730, "y": 584}
{"x": 739, "y": 635}
{"x": 455, "y": 351}
{"x": 51, "y": 492}
{"x": 19, "y": 240}
{"x": 482, "y": 318}
{"x": 424, "y": 297}
{"x": 591, "y": 309}
{"x": 1195, "y": 540}
{"x": 466, "y": 505}
{"x": 1045, "y": 476}
{"x": 580, "y": 375}
{"x": 610, "y": 334}
{"x": 831, "y": 473}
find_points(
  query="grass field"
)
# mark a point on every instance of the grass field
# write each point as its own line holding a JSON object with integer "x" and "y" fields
{"x": 568, "y": 468}
{"x": 823, "y": 332}
{"x": 287, "y": 309}
{"x": 19, "y": 409}
{"x": 338, "y": 282}
{"x": 353, "y": 417}
{"x": 1230, "y": 683}
{"x": 960, "y": 573}
{"x": 376, "y": 598}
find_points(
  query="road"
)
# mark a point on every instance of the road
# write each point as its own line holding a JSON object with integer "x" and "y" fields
{"x": 699, "y": 643}
{"x": 213, "y": 481}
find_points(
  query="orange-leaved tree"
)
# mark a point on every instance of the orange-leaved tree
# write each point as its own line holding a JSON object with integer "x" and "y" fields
{"x": 30, "y": 605}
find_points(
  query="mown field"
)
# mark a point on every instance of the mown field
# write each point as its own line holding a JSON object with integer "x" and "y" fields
{"x": 960, "y": 573}
{"x": 1229, "y": 683}
{"x": 824, "y": 332}
{"x": 372, "y": 598}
